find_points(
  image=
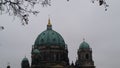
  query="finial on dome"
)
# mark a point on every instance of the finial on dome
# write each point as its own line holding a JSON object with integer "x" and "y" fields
{"x": 83, "y": 39}
{"x": 25, "y": 56}
{"x": 49, "y": 23}
{"x": 49, "y": 26}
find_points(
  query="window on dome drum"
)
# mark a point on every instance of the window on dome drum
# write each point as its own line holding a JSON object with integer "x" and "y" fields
{"x": 43, "y": 33}
{"x": 52, "y": 33}
{"x": 54, "y": 39}
{"x": 42, "y": 40}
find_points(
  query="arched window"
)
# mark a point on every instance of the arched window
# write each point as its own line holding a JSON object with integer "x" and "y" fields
{"x": 87, "y": 56}
{"x": 54, "y": 39}
{"x": 42, "y": 40}
{"x": 54, "y": 57}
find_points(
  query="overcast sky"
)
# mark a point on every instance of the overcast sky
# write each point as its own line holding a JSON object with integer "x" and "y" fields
{"x": 74, "y": 20}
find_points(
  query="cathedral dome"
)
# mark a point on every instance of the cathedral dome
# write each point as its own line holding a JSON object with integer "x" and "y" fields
{"x": 49, "y": 37}
{"x": 24, "y": 59}
{"x": 84, "y": 45}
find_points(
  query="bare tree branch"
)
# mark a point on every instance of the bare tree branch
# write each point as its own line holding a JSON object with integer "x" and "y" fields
{"x": 23, "y": 8}
{"x": 20, "y": 8}
{"x": 102, "y": 2}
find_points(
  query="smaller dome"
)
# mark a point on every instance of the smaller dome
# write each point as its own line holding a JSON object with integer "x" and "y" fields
{"x": 25, "y": 59}
{"x": 36, "y": 51}
{"x": 84, "y": 45}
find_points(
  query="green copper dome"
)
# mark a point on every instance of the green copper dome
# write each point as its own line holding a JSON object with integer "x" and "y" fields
{"x": 84, "y": 45}
{"x": 49, "y": 37}
{"x": 25, "y": 59}
{"x": 36, "y": 51}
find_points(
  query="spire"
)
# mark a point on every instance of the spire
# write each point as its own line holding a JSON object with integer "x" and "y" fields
{"x": 49, "y": 23}
{"x": 49, "y": 26}
{"x": 83, "y": 39}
